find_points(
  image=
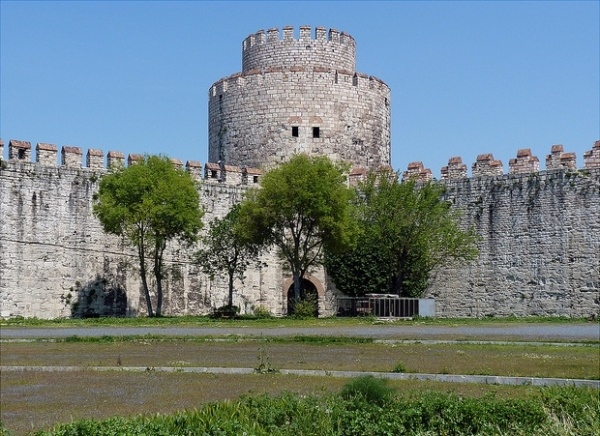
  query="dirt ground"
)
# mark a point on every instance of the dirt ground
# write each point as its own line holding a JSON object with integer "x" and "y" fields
{"x": 36, "y": 399}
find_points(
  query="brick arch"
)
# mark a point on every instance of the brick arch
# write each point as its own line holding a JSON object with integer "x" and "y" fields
{"x": 290, "y": 281}
{"x": 316, "y": 282}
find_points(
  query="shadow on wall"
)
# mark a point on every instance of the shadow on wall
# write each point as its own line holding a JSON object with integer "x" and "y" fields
{"x": 101, "y": 297}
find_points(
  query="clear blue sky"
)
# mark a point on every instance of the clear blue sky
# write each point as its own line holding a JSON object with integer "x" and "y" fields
{"x": 467, "y": 77}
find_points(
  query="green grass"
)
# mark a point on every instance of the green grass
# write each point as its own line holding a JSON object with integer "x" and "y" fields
{"x": 553, "y": 411}
{"x": 248, "y": 321}
{"x": 36, "y": 400}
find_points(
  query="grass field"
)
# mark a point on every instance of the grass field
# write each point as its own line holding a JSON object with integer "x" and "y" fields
{"x": 485, "y": 359}
{"x": 35, "y": 399}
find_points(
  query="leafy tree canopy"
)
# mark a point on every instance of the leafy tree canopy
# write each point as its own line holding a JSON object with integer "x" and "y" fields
{"x": 301, "y": 207}
{"x": 150, "y": 203}
{"x": 224, "y": 250}
{"x": 406, "y": 231}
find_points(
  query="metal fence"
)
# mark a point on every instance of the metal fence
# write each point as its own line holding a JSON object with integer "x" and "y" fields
{"x": 390, "y": 306}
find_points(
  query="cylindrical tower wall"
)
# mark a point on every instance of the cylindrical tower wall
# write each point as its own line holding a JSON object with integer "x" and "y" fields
{"x": 299, "y": 96}
{"x": 325, "y": 49}
{"x": 262, "y": 119}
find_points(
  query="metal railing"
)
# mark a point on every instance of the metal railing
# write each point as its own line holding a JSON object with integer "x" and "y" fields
{"x": 388, "y": 306}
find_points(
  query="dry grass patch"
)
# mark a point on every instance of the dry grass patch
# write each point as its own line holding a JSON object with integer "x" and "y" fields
{"x": 509, "y": 360}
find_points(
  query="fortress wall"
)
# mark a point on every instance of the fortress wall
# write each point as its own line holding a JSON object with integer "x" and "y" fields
{"x": 539, "y": 249}
{"x": 56, "y": 261}
{"x": 51, "y": 244}
{"x": 252, "y": 116}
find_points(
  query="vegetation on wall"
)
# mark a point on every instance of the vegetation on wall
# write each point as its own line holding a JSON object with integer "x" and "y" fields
{"x": 149, "y": 203}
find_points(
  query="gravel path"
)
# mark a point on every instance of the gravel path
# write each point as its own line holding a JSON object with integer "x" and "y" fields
{"x": 520, "y": 332}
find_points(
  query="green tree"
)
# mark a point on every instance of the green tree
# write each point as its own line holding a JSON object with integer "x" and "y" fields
{"x": 301, "y": 207}
{"x": 225, "y": 250}
{"x": 150, "y": 203}
{"x": 406, "y": 231}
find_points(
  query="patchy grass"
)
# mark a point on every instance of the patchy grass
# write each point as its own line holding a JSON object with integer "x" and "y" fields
{"x": 249, "y": 321}
{"x": 345, "y": 354}
{"x": 35, "y": 400}
{"x": 168, "y": 403}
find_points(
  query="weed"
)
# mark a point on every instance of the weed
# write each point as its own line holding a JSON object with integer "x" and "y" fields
{"x": 399, "y": 367}
{"x": 264, "y": 363}
{"x": 261, "y": 312}
{"x": 371, "y": 389}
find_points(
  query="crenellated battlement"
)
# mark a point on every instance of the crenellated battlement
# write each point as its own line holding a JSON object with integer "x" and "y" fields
{"x": 278, "y": 48}
{"x": 524, "y": 163}
{"x": 71, "y": 157}
{"x": 319, "y": 76}
{"x": 484, "y": 166}
{"x": 274, "y": 36}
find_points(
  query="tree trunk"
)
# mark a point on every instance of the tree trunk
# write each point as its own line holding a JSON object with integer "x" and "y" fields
{"x": 296, "y": 276}
{"x": 159, "y": 296}
{"x": 158, "y": 256}
{"x": 397, "y": 284}
{"x": 230, "y": 303}
{"x": 142, "y": 259}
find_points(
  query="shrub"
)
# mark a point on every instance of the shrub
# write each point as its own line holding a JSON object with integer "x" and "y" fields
{"x": 400, "y": 367}
{"x": 261, "y": 312}
{"x": 371, "y": 389}
{"x": 306, "y": 308}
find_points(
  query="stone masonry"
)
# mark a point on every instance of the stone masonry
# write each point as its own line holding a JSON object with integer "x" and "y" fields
{"x": 299, "y": 96}
{"x": 539, "y": 248}
{"x": 55, "y": 260}
{"x": 539, "y": 252}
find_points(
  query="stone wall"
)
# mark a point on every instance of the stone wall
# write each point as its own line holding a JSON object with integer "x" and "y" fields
{"x": 55, "y": 260}
{"x": 328, "y": 49}
{"x": 539, "y": 249}
{"x": 540, "y": 239}
{"x": 299, "y": 96}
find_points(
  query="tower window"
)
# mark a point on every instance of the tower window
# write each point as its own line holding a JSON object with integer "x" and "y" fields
{"x": 316, "y": 132}
{"x": 295, "y": 131}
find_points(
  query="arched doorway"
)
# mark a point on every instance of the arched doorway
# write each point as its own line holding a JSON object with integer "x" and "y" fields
{"x": 308, "y": 293}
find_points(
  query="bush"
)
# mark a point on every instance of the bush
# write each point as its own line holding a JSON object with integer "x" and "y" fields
{"x": 261, "y": 312}
{"x": 553, "y": 411}
{"x": 307, "y": 307}
{"x": 371, "y": 389}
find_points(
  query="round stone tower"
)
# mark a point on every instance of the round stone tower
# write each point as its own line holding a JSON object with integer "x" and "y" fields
{"x": 299, "y": 96}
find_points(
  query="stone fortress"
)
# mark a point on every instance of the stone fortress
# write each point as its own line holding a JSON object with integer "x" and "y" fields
{"x": 540, "y": 230}
{"x": 299, "y": 96}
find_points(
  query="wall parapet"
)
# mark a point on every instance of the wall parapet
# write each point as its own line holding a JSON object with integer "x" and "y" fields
{"x": 247, "y": 79}
{"x": 592, "y": 157}
{"x": 71, "y": 157}
{"x": 275, "y": 47}
{"x": 524, "y": 163}
{"x": 484, "y": 166}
